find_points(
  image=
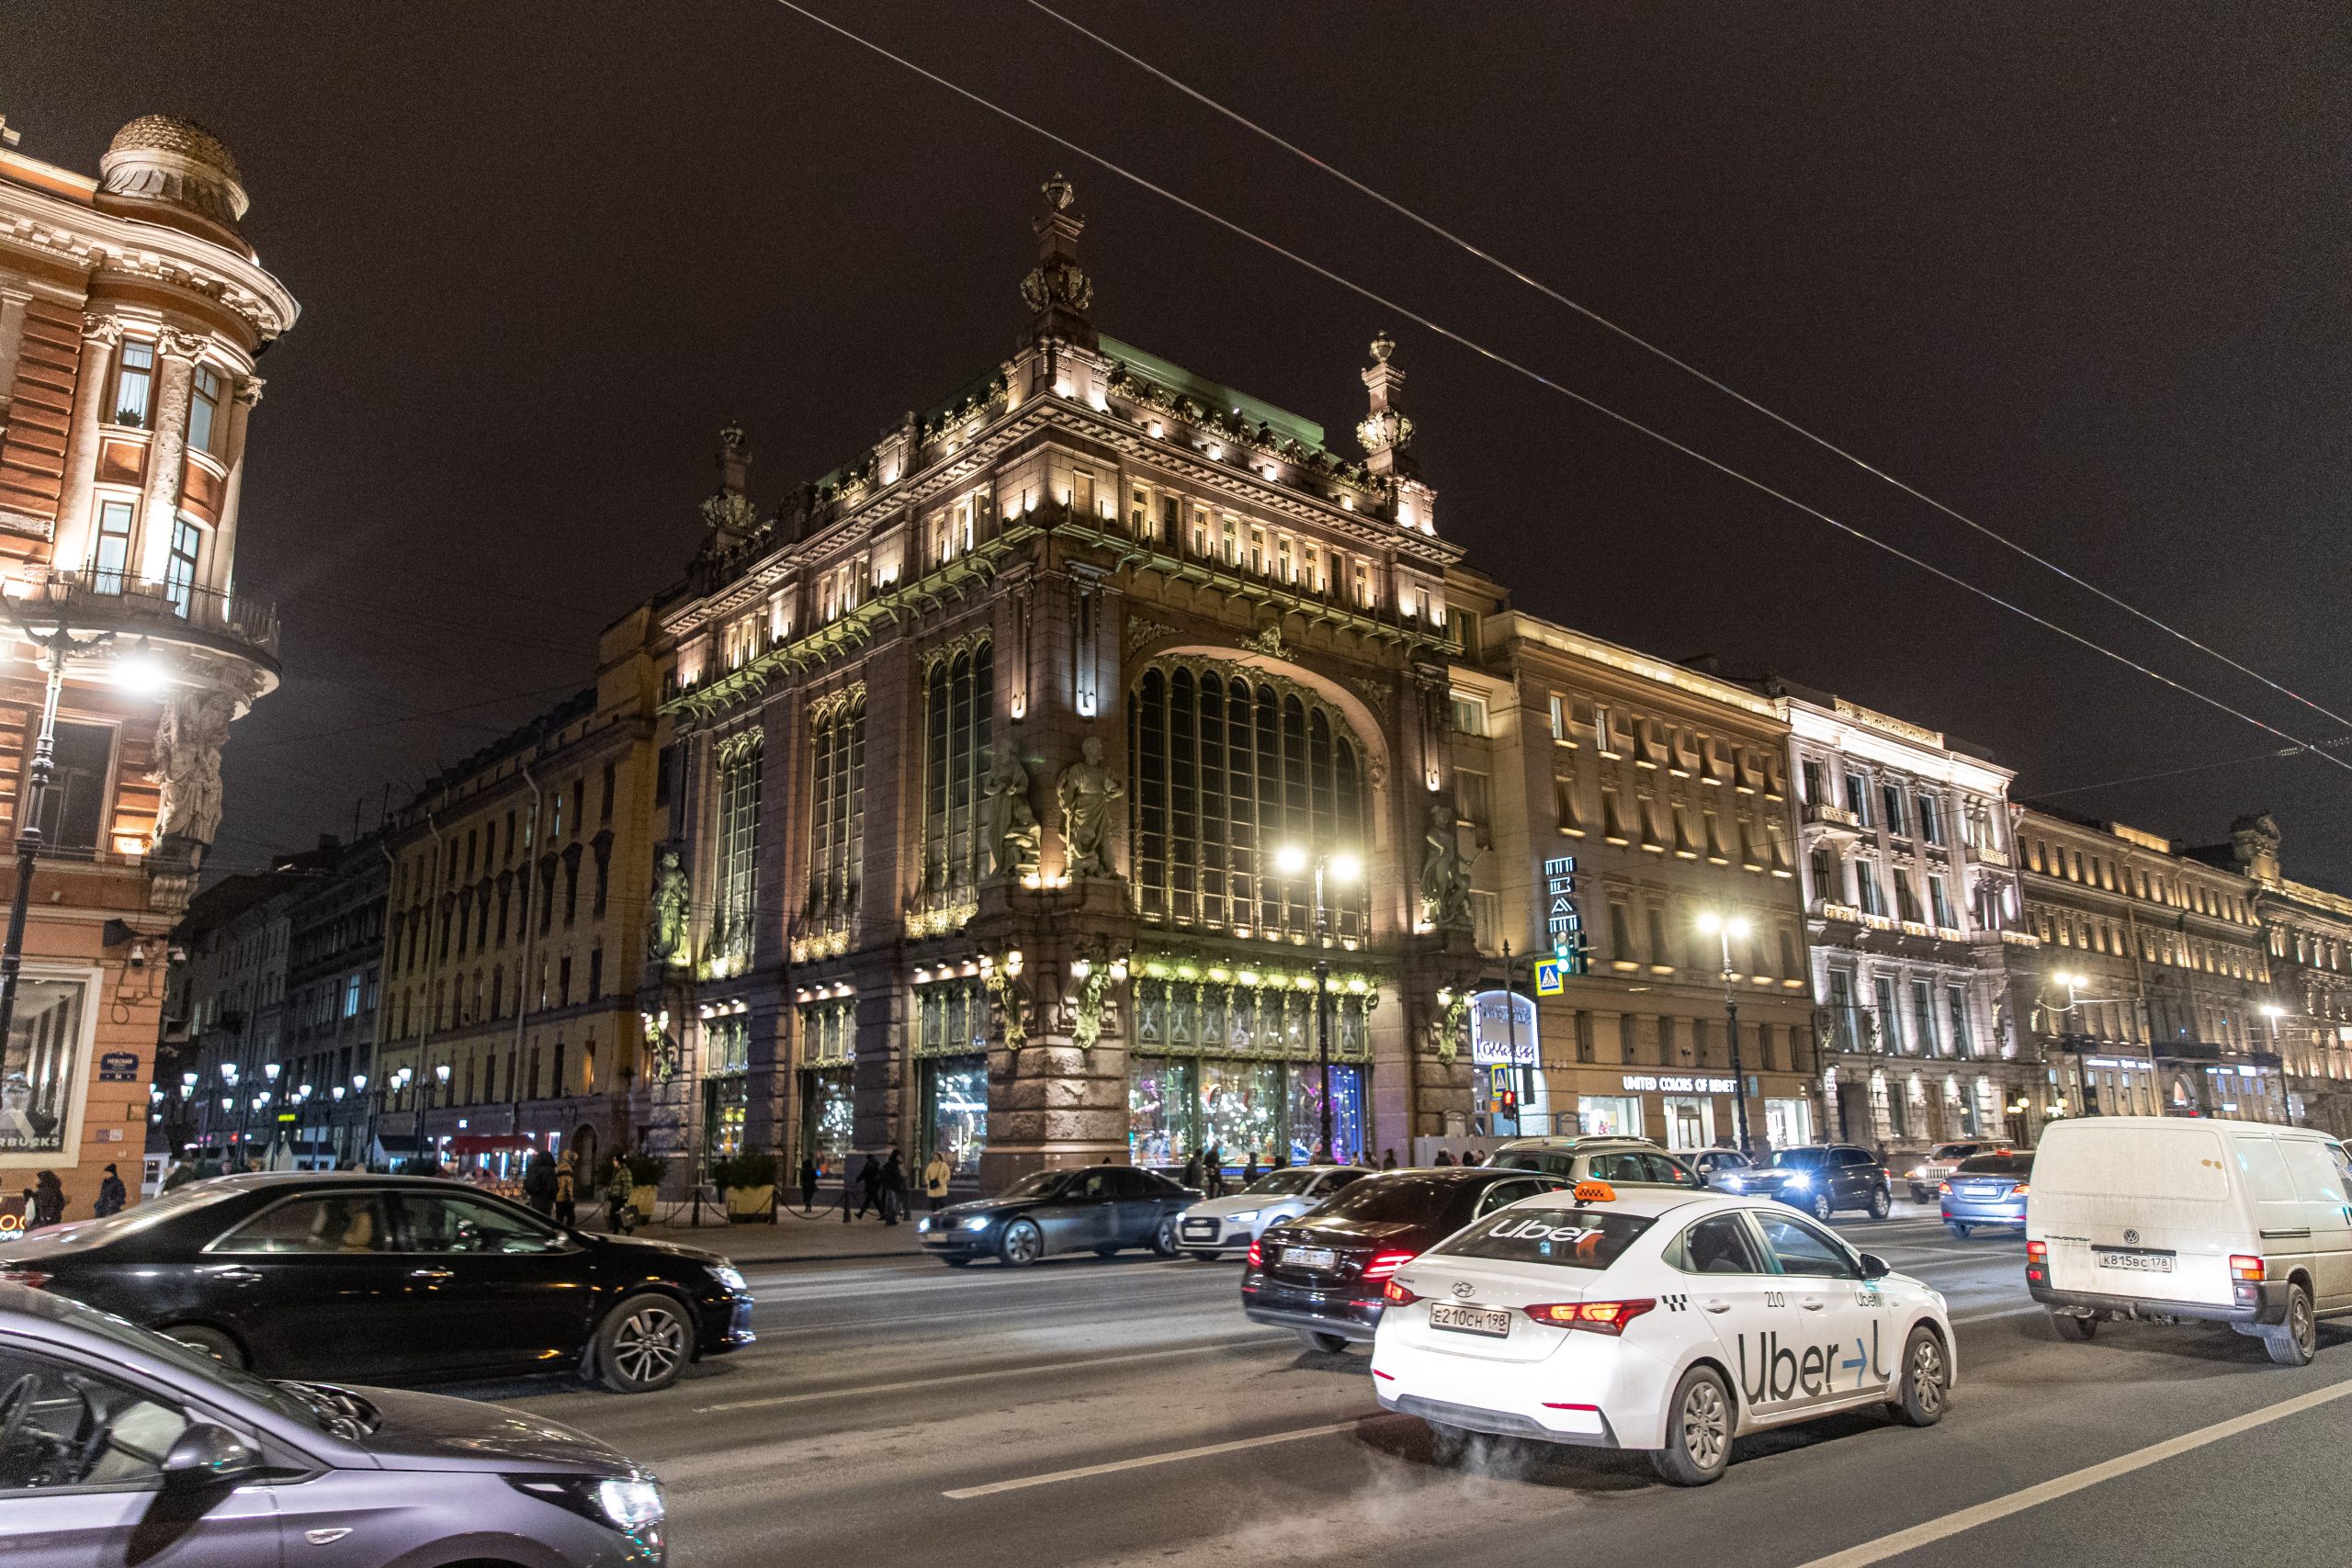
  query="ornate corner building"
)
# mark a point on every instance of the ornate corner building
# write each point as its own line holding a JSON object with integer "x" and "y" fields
{"x": 1011, "y": 757}
{"x": 131, "y": 311}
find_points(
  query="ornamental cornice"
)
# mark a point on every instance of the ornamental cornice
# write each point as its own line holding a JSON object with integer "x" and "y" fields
{"x": 94, "y": 241}
{"x": 955, "y": 647}
{"x": 837, "y": 702}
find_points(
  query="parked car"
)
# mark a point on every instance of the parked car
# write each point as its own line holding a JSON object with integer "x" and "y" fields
{"x": 1215, "y": 1226}
{"x": 1937, "y": 1163}
{"x": 117, "y": 1445}
{"x": 1099, "y": 1209}
{"x": 1719, "y": 1168}
{"x": 1987, "y": 1189}
{"x": 1621, "y": 1162}
{"x": 1822, "y": 1178}
{"x": 2168, "y": 1218}
{"x": 390, "y": 1279}
{"x": 1321, "y": 1274}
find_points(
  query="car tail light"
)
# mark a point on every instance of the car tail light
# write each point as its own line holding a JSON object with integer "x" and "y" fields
{"x": 1944, "y": 1188}
{"x": 1257, "y": 1255}
{"x": 2019, "y": 1191}
{"x": 1384, "y": 1264}
{"x": 1599, "y": 1317}
{"x": 2245, "y": 1268}
{"x": 1398, "y": 1293}
{"x": 1384, "y": 1377}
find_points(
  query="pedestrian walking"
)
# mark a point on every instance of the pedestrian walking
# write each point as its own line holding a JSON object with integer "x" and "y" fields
{"x": 566, "y": 1199}
{"x": 1388, "y": 1159}
{"x": 112, "y": 1194}
{"x": 935, "y": 1173}
{"x": 1249, "y": 1172}
{"x": 1443, "y": 1158}
{"x": 808, "y": 1184}
{"x": 869, "y": 1185}
{"x": 894, "y": 1188}
{"x": 1213, "y": 1172}
{"x": 48, "y": 1205}
{"x": 1193, "y": 1169}
{"x": 538, "y": 1184}
{"x": 620, "y": 1217}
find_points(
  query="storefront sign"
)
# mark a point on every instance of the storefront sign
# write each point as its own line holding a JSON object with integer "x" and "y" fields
{"x": 1649, "y": 1083}
{"x": 1562, "y": 922}
{"x": 1492, "y": 1030}
{"x": 119, "y": 1066}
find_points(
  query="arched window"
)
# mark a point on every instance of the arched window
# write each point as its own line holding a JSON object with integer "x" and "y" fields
{"x": 959, "y": 696}
{"x": 1228, "y": 768}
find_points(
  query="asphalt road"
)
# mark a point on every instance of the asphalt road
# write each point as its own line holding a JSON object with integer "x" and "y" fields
{"x": 898, "y": 1412}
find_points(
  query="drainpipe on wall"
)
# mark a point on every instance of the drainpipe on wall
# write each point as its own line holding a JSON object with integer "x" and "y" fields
{"x": 522, "y": 976}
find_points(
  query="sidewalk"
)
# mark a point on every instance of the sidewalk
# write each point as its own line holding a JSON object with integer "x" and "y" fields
{"x": 793, "y": 1239}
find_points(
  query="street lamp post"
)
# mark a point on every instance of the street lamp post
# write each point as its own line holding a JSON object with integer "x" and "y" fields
{"x": 54, "y": 647}
{"x": 441, "y": 1078}
{"x": 1727, "y": 927}
{"x": 1291, "y": 859}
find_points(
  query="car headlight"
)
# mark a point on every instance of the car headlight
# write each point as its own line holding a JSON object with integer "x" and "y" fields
{"x": 1736, "y": 1183}
{"x": 631, "y": 1505}
{"x": 1241, "y": 1219}
{"x": 1799, "y": 1179}
{"x": 729, "y": 1276}
{"x": 977, "y": 1223}
{"x": 1918, "y": 1173}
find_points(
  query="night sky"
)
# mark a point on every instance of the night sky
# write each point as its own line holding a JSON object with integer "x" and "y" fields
{"x": 2077, "y": 270}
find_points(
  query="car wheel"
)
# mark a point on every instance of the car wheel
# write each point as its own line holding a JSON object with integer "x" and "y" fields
{"x": 1926, "y": 1388}
{"x": 2069, "y": 1327}
{"x": 1957, "y": 1228}
{"x": 1330, "y": 1344}
{"x": 1697, "y": 1430}
{"x": 2294, "y": 1342}
{"x": 1822, "y": 1207}
{"x": 644, "y": 1343}
{"x": 1206, "y": 1257}
{"x": 1163, "y": 1239}
{"x": 212, "y": 1341}
{"x": 1881, "y": 1203}
{"x": 1021, "y": 1244}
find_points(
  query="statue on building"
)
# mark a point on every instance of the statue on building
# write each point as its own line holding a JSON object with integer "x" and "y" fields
{"x": 666, "y": 939}
{"x": 2253, "y": 844}
{"x": 1445, "y": 872}
{"x": 1086, "y": 793}
{"x": 188, "y": 738}
{"x": 1008, "y": 826}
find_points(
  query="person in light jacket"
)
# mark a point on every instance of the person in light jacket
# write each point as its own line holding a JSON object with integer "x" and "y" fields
{"x": 935, "y": 1173}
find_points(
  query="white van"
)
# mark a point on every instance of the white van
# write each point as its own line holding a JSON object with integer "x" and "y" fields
{"x": 2178, "y": 1219}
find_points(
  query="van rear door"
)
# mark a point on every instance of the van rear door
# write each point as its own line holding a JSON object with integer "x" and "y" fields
{"x": 2277, "y": 1207}
{"x": 2313, "y": 1164}
{"x": 2143, "y": 1209}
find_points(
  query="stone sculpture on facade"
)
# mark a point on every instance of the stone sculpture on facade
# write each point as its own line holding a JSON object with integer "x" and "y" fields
{"x": 194, "y": 726}
{"x": 1008, "y": 826}
{"x": 1086, "y": 793}
{"x": 666, "y": 940}
{"x": 1446, "y": 873}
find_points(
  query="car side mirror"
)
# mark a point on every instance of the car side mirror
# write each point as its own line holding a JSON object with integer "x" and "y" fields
{"x": 208, "y": 1455}
{"x": 1875, "y": 1266}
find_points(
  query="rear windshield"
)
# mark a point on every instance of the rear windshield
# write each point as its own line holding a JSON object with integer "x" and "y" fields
{"x": 1394, "y": 1199}
{"x": 1572, "y": 1238}
{"x": 1997, "y": 1165}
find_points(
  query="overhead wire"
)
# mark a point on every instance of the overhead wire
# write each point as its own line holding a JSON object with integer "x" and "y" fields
{"x": 2273, "y": 754}
{"x": 1644, "y": 344}
{"x": 1541, "y": 380}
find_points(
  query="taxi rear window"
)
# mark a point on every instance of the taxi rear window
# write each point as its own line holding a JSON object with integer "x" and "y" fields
{"x": 1572, "y": 1238}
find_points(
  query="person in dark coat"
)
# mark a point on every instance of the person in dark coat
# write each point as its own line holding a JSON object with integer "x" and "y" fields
{"x": 1193, "y": 1169}
{"x": 1388, "y": 1159}
{"x": 538, "y": 1184}
{"x": 869, "y": 1183}
{"x": 1213, "y": 1171}
{"x": 47, "y": 1204}
{"x": 1249, "y": 1172}
{"x": 807, "y": 1184}
{"x": 112, "y": 1194}
{"x": 1443, "y": 1158}
{"x": 894, "y": 1188}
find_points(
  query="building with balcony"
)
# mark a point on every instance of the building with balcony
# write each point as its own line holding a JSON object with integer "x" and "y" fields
{"x": 131, "y": 311}
{"x": 1610, "y": 803}
{"x": 1912, "y": 909}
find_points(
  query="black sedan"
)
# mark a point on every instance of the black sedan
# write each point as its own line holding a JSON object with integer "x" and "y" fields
{"x": 385, "y": 1279}
{"x": 1323, "y": 1272}
{"x": 1098, "y": 1208}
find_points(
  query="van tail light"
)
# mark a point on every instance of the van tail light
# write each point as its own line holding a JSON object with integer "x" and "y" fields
{"x": 2245, "y": 1268}
{"x": 1257, "y": 1255}
{"x": 1943, "y": 1188}
{"x": 1393, "y": 1291}
{"x": 1597, "y": 1317}
{"x": 2037, "y": 1263}
{"x": 2037, "y": 1252}
{"x": 1384, "y": 1264}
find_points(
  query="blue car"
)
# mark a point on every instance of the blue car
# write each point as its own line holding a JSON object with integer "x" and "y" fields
{"x": 1987, "y": 1189}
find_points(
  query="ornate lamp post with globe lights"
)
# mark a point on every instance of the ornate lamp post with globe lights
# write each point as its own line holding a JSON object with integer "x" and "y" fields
{"x": 1343, "y": 868}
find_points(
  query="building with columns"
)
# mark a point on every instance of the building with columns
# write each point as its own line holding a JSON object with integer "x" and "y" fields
{"x": 131, "y": 310}
{"x": 1913, "y": 910}
{"x": 989, "y": 745}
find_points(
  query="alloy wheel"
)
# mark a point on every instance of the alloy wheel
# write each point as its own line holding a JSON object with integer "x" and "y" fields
{"x": 1022, "y": 1244}
{"x": 1928, "y": 1374}
{"x": 1706, "y": 1424}
{"x": 650, "y": 1344}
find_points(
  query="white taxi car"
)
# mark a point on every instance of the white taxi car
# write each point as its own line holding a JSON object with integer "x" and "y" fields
{"x": 1215, "y": 1226}
{"x": 1658, "y": 1320}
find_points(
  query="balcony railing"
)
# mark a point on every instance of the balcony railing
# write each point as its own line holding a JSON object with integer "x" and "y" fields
{"x": 113, "y": 599}
{"x": 1821, "y": 813}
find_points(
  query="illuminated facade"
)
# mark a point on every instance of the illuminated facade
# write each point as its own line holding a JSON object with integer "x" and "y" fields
{"x": 987, "y": 742}
{"x": 131, "y": 310}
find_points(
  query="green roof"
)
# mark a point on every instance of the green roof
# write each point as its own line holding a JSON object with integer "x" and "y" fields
{"x": 1211, "y": 395}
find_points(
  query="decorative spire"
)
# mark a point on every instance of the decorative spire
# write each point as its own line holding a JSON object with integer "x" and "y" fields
{"x": 729, "y": 515}
{"x": 1058, "y": 289}
{"x": 1386, "y": 434}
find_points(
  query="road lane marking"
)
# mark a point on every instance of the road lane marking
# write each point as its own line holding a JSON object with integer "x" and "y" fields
{"x": 1952, "y": 1524}
{"x": 813, "y": 1395}
{"x": 2002, "y": 1311}
{"x": 963, "y": 1494}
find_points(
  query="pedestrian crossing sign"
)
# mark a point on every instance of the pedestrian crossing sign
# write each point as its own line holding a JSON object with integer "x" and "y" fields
{"x": 1548, "y": 981}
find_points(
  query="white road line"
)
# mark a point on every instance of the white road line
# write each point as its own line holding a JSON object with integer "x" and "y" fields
{"x": 2003, "y": 1312}
{"x": 943, "y": 1379}
{"x": 1952, "y": 1524}
{"x": 963, "y": 1492}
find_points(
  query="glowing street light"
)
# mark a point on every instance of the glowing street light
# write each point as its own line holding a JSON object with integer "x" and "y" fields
{"x": 1725, "y": 928}
{"x": 1340, "y": 866}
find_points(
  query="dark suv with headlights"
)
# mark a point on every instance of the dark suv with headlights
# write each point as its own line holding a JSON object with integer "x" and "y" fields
{"x": 1322, "y": 1273}
{"x": 1821, "y": 1178}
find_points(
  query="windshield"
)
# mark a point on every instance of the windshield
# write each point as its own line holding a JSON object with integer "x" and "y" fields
{"x": 1799, "y": 1159}
{"x": 154, "y": 1210}
{"x": 1571, "y": 1238}
{"x": 1037, "y": 1184}
{"x": 1281, "y": 1183}
{"x": 1997, "y": 1165}
{"x": 1387, "y": 1200}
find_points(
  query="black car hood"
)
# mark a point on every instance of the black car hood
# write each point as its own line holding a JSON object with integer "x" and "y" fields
{"x": 432, "y": 1431}
{"x": 644, "y": 1250}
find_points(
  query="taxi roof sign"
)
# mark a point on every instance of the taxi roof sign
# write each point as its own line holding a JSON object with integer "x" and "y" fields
{"x": 1595, "y": 1192}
